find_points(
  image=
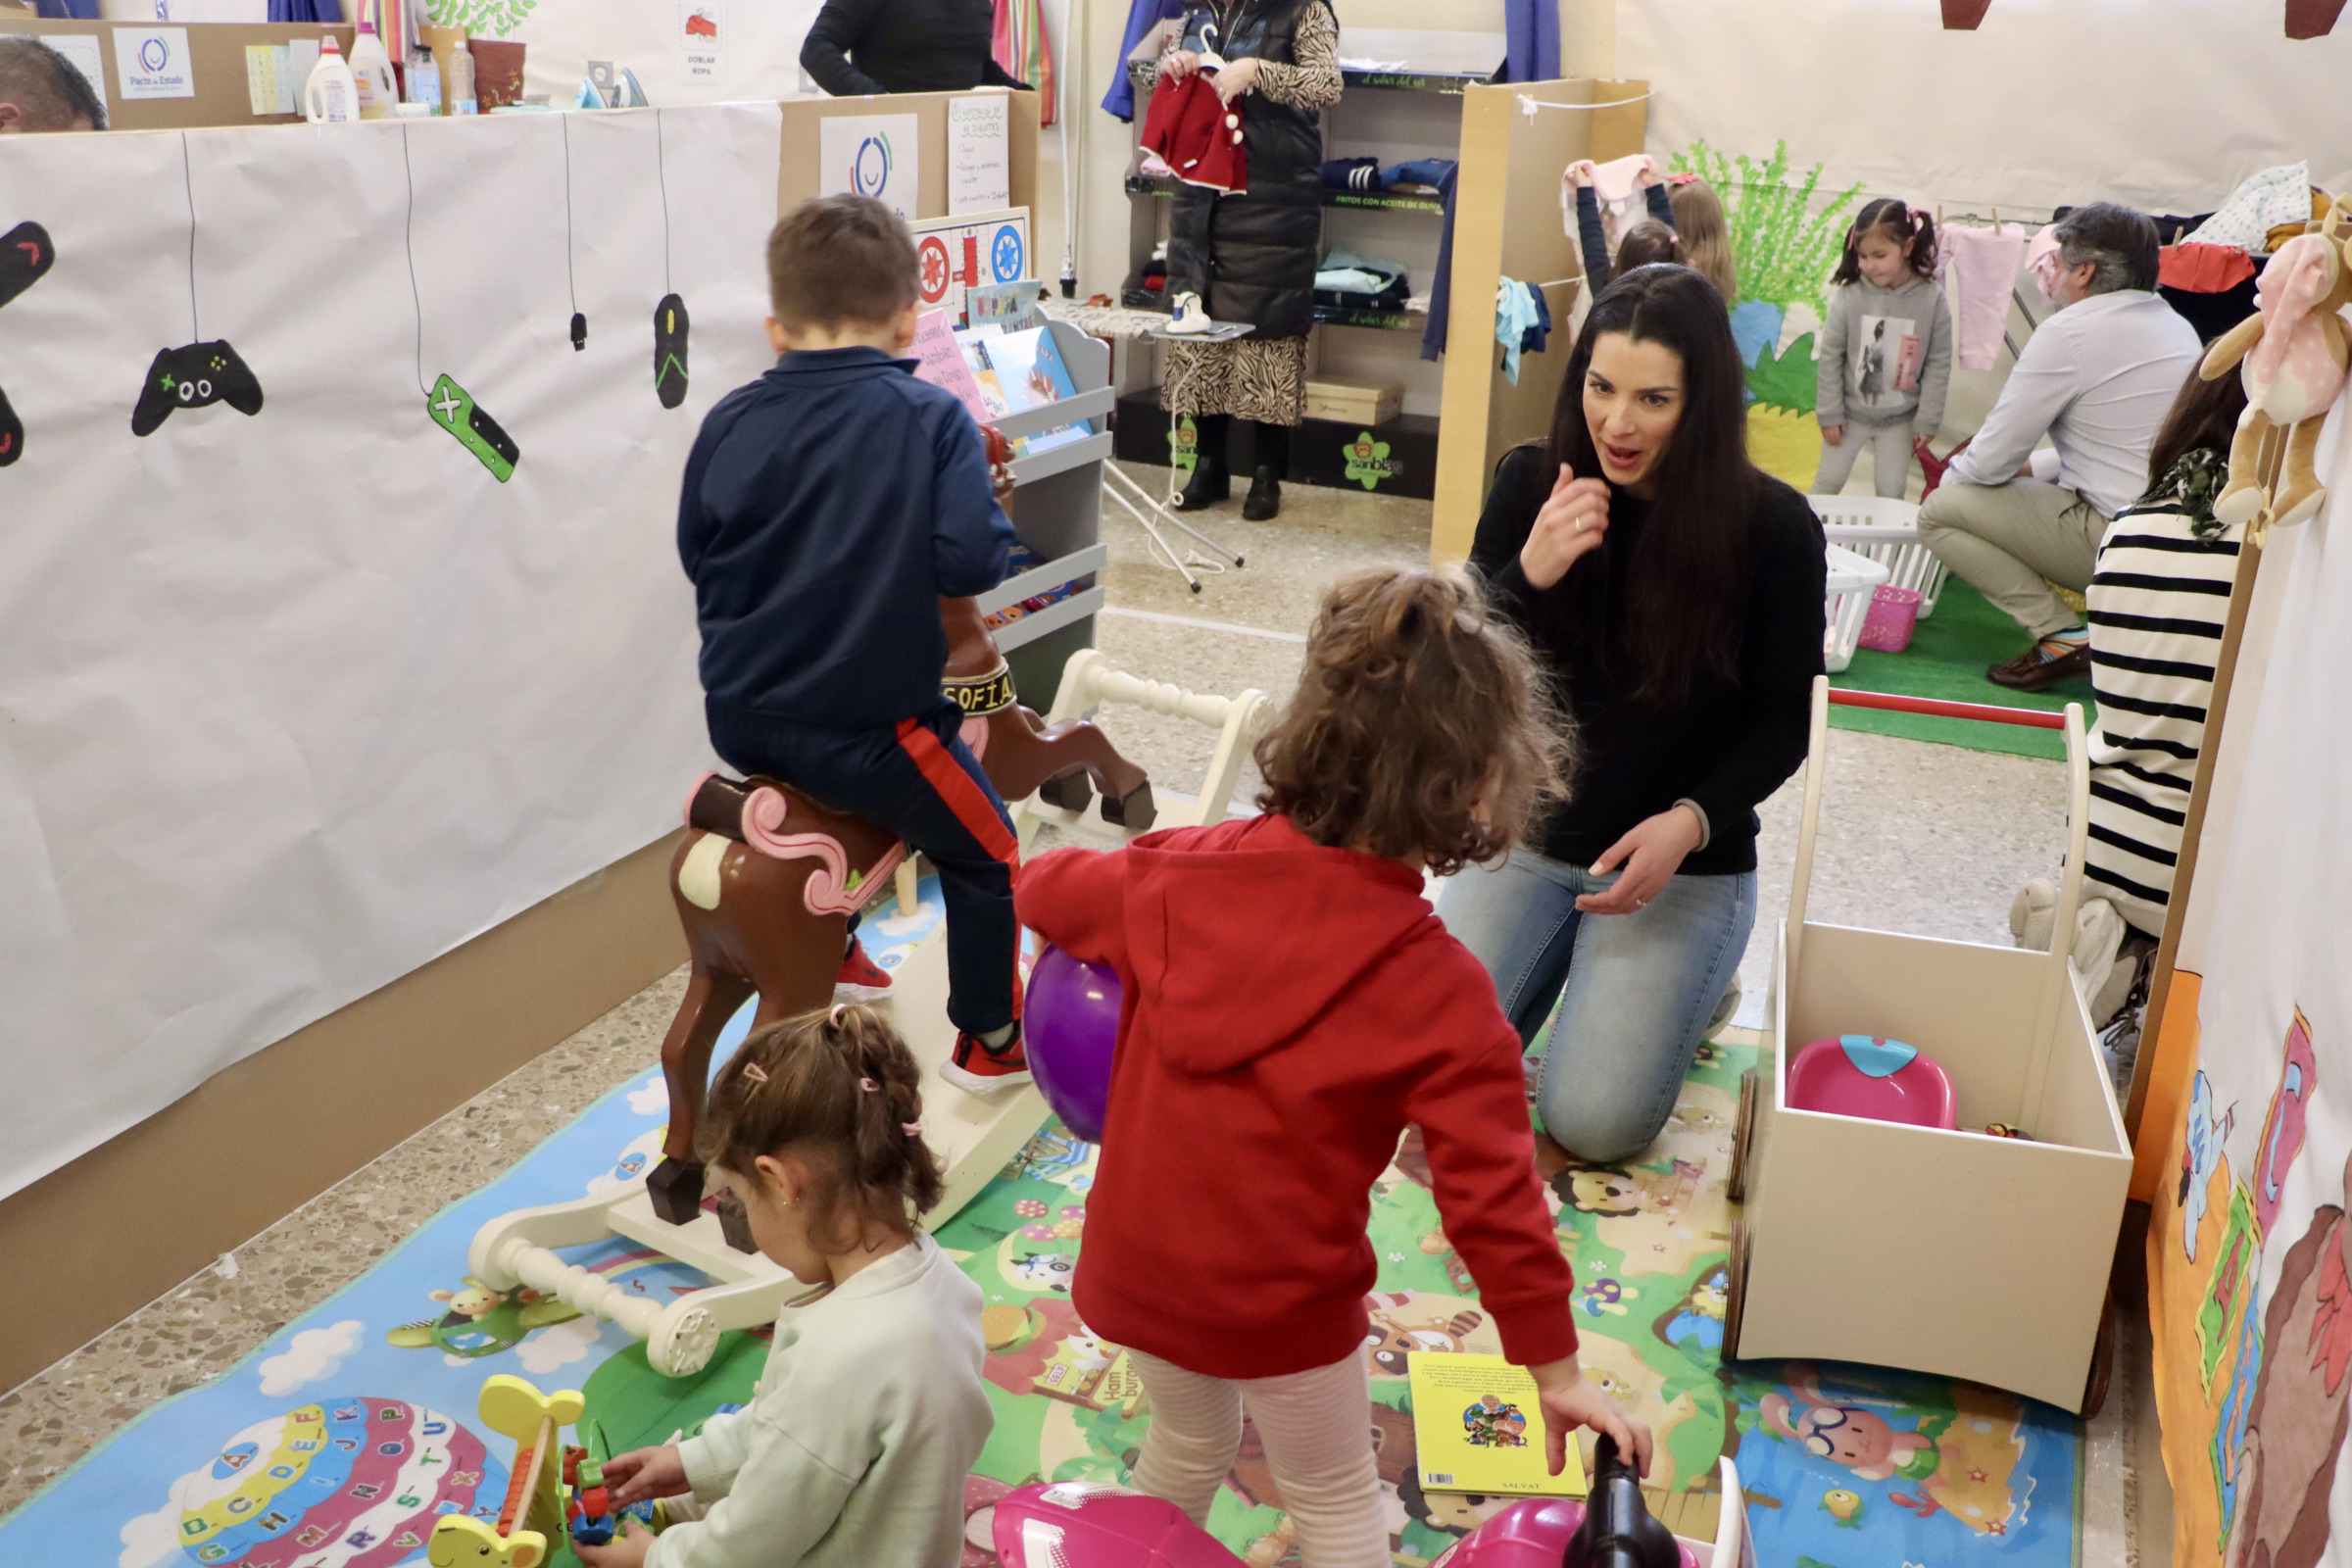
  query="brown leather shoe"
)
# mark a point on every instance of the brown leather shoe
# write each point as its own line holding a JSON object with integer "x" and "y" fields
{"x": 2046, "y": 663}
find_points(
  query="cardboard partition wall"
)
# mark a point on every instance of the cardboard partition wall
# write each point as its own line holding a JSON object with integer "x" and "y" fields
{"x": 804, "y": 172}
{"x": 174, "y": 76}
{"x": 1510, "y": 164}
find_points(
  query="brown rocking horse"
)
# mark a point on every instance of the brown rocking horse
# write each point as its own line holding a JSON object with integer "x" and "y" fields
{"x": 766, "y": 878}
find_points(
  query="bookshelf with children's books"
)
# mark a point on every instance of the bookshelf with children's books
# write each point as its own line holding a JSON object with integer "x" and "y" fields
{"x": 1045, "y": 387}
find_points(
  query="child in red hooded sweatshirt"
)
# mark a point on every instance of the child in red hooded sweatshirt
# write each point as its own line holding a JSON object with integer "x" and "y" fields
{"x": 1290, "y": 1006}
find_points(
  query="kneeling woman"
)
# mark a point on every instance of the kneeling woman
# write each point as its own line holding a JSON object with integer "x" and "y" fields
{"x": 1675, "y": 592}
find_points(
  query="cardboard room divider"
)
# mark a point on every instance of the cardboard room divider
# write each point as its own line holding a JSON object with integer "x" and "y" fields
{"x": 1506, "y": 223}
{"x": 200, "y": 72}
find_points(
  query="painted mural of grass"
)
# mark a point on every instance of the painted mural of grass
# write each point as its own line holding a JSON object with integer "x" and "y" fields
{"x": 1786, "y": 245}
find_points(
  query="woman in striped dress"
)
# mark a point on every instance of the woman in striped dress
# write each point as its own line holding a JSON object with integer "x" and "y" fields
{"x": 2158, "y": 600}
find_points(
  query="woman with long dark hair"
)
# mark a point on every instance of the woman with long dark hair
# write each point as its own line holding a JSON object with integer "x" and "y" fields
{"x": 1675, "y": 593}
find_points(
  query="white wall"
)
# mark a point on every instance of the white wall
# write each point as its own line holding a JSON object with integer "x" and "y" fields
{"x": 2161, "y": 104}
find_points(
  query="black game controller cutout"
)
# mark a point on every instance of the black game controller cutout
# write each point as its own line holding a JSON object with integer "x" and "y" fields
{"x": 669, "y": 351}
{"x": 25, "y": 256}
{"x": 25, "y": 253}
{"x": 194, "y": 376}
{"x": 579, "y": 332}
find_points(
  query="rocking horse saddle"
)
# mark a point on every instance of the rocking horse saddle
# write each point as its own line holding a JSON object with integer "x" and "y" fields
{"x": 780, "y": 821}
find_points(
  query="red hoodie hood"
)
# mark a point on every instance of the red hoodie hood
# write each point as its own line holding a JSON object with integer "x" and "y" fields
{"x": 1320, "y": 918}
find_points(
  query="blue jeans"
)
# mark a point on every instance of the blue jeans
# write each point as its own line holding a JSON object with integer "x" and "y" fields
{"x": 1634, "y": 989}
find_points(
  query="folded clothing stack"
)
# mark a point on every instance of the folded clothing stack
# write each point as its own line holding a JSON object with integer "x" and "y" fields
{"x": 1351, "y": 282}
{"x": 1367, "y": 174}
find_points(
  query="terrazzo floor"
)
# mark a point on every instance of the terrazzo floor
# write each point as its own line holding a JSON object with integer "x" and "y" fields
{"x": 1917, "y": 838}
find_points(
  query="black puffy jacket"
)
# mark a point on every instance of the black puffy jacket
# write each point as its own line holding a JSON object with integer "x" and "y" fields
{"x": 1251, "y": 257}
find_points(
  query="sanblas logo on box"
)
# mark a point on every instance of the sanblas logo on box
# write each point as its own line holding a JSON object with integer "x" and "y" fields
{"x": 869, "y": 165}
{"x": 1369, "y": 463}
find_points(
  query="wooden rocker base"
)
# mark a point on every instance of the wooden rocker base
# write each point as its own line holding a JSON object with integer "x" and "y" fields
{"x": 974, "y": 1135}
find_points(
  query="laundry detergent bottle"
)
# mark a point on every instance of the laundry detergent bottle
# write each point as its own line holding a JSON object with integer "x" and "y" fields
{"x": 331, "y": 97}
{"x": 372, "y": 69}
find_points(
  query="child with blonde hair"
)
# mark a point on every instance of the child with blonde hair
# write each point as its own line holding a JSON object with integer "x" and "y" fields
{"x": 854, "y": 1448}
{"x": 1290, "y": 1006}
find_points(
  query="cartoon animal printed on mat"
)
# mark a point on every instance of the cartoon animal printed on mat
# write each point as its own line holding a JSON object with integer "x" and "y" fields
{"x": 1703, "y": 1113}
{"x": 1964, "y": 1470}
{"x": 1694, "y": 1324}
{"x": 2201, "y": 1155}
{"x": 1044, "y": 1272}
{"x": 1663, "y": 1222}
{"x": 481, "y": 1321}
{"x": 2295, "y": 1431}
{"x": 1614, "y": 1367}
{"x": 1406, "y": 1321}
{"x": 2283, "y": 1123}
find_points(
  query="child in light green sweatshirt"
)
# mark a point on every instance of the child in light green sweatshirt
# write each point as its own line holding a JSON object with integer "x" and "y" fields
{"x": 1886, "y": 352}
{"x": 855, "y": 1446}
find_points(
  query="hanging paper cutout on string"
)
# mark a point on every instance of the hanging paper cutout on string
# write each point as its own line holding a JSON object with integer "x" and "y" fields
{"x": 25, "y": 253}
{"x": 447, "y": 404}
{"x": 196, "y": 374}
{"x": 669, "y": 351}
{"x": 669, "y": 317}
{"x": 579, "y": 318}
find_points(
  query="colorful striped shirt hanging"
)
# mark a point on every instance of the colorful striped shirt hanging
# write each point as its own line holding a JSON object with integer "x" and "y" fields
{"x": 1019, "y": 42}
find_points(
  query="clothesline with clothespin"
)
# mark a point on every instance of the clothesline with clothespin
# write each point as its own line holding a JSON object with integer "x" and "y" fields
{"x": 1528, "y": 106}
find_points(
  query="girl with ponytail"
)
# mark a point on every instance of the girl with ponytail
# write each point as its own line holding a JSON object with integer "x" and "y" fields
{"x": 856, "y": 1441}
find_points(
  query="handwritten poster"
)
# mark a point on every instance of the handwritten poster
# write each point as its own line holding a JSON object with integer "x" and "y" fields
{"x": 979, "y": 154}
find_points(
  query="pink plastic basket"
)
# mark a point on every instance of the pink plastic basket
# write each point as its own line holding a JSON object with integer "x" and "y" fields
{"x": 1893, "y": 612}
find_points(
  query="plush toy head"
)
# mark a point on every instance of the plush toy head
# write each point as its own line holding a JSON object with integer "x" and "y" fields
{"x": 2306, "y": 277}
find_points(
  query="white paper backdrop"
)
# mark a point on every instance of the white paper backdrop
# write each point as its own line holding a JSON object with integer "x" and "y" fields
{"x": 2163, "y": 104}
{"x": 291, "y": 705}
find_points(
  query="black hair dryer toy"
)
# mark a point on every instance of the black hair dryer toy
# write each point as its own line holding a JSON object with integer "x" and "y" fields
{"x": 1618, "y": 1531}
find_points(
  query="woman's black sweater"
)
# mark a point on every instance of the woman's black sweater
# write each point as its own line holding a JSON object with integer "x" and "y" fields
{"x": 1731, "y": 744}
{"x": 870, "y": 46}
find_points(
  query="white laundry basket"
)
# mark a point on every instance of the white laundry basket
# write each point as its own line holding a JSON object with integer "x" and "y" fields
{"x": 1888, "y": 532}
{"x": 1853, "y": 576}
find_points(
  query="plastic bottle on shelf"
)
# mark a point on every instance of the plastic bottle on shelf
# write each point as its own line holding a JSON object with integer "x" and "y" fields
{"x": 372, "y": 69}
{"x": 331, "y": 96}
{"x": 461, "y": 81}
{"x": 424, "y": 81}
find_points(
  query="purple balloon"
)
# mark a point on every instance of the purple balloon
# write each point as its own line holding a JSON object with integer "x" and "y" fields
{"x": 1071, "y": 1027}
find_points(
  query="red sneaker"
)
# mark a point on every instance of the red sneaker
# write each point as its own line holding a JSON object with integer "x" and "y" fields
{"x": 978, "y": 1068}
{"x": 860, "y": 976}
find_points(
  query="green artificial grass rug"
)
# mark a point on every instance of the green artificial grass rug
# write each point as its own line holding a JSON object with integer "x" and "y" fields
{"x": 1947, "y": 658}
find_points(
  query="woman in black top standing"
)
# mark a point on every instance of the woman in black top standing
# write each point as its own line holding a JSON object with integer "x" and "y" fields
{"x": 1675, "y": 592}
{"x": 871, "y": 46}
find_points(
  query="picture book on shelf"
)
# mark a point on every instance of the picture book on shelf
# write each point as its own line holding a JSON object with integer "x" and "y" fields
{"x": 1478, "y": 1427}
{"x": 940, "y": 360}
{"x": 1010, "y": 306}
{"x": 1030, "y": 370}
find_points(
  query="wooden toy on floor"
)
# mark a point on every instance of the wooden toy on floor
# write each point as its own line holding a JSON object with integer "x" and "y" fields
{"x": 763, "y": 883}
{"x": 533, "y": 1512}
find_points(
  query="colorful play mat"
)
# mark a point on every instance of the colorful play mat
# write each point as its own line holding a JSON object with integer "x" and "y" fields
{"x": 338, "y": 1442}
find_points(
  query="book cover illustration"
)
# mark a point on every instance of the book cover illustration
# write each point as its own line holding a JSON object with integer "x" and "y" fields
{"x": 1032, "y": 373}
{"x": 1478, "y": 1427}
{"x": 939, "y": 358}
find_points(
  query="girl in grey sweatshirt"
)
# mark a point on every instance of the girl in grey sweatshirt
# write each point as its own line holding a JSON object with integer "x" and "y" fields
{"x": 1885, "y": 351}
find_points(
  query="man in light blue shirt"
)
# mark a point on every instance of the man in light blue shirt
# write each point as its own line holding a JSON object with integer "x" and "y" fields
{"x": 2096, "y": 379}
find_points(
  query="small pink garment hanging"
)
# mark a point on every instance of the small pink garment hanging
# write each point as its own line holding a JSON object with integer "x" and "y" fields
{"x": 1978, "y": 267}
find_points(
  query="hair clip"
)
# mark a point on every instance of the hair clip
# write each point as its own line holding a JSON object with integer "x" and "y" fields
{"x": 755, "y": 1072}
{"x": 833, "y": 1020}
{"x": 913, "y": 1128}
{"x": 868, "y": 1085}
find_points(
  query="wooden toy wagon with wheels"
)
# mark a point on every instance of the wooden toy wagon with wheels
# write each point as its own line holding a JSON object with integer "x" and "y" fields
{"x": 1958, "y": 1251}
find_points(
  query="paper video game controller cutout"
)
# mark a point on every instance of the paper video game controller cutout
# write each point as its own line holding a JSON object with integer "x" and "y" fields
{"x": 26, "y": 254}
{"x": 669, "y": 351}
{"x": 454, "y": 410}
{"x": 195, "y": 376}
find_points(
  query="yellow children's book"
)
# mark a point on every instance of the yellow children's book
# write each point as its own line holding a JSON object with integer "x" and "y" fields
{"x": 1477, "y": 1426}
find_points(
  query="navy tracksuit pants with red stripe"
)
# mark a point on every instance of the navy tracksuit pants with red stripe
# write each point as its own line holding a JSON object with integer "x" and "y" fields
{"x": 920, "y": 781}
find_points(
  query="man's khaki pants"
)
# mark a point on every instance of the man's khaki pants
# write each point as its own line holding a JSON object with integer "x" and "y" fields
{"x": 2012, "y": 541}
